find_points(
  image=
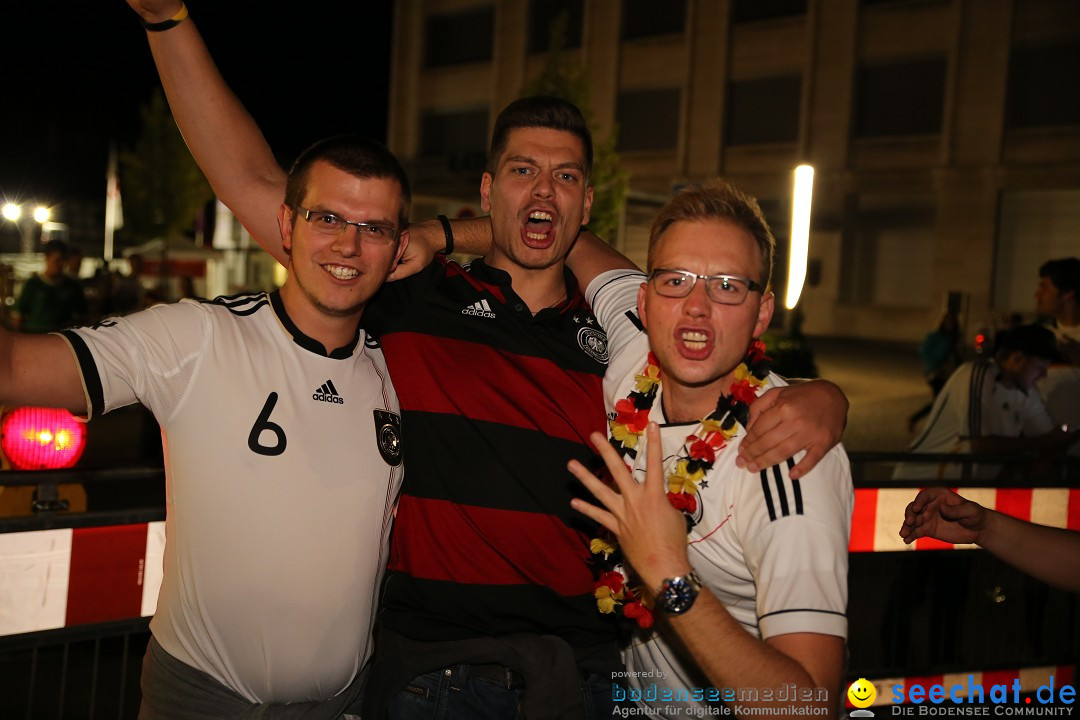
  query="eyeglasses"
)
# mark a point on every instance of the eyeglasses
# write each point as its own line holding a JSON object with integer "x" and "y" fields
{"x": 723, "y": 289}
{"x": 327, "y": 223}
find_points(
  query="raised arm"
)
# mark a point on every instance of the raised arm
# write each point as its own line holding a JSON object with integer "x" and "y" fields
{"x": 652, "y": 536}
{"x": 222, "y": 136}
{"x": 39, "y": 370}
{"x": 1050, "y": 554}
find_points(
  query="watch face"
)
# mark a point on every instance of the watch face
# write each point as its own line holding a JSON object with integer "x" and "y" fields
{"x": 677, "y": 595}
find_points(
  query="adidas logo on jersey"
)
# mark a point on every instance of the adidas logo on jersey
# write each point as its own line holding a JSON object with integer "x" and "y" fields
{"x": 479, "y": 309}
{"x": 328, "y": 393}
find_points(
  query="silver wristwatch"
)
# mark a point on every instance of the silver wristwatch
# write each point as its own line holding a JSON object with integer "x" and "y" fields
{"x": 678, "y": 594}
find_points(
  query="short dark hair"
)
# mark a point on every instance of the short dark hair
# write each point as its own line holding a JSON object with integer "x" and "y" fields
{"x": 357, "y": 155}
{"x": 717, "y": 200}
{"x": 55, "y": 246}
{"x": 1064, "y": 273}
{"x": 1032, "y": 340}
{"x": 540, "y": 111}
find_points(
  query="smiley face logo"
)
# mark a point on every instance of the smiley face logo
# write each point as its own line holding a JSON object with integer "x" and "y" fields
{"x": 862, "y": 693}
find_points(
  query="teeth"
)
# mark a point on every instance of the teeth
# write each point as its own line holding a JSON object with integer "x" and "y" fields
{"x": 695, "y": 340}
{"x": 535, "y": 236}
{"x": 540, "y": 215}
{"x": 341, "y": 273}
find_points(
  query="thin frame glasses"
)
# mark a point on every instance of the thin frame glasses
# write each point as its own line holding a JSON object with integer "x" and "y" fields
{"x": 327, "y": 223}
{"x": 722, "y": 289}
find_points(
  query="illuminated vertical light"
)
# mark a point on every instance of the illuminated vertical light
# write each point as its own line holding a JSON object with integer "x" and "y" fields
{"x": 802, "y": 197}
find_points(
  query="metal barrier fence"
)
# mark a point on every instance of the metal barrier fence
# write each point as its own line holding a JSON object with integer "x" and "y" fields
{"x": 912, "y": 615}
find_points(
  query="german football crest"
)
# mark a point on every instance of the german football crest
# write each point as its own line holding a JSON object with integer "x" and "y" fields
{"x": 388, "y": 436}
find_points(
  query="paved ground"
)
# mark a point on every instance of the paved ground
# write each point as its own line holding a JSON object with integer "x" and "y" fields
{"x": 884, "y": 384}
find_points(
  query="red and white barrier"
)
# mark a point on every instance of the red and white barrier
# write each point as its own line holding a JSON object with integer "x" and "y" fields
{"x": 58, "y": 578}
{"x": 879, "y": 512}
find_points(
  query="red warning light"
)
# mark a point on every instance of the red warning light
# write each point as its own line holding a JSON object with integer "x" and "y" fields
{"x": 42, "y": 438}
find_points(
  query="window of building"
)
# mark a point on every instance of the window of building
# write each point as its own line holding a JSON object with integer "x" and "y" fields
{"x": 542, "y": 16}
{"x": 646, "y": 18}
{"x": 764, "y": 110}
{"x": 459, "y": 38}
{"x": 1042, "y": 86}
{"x": 753, "y": 10}
{"x": 884, "y": 257}
{"x": 900, "y": 98}
{"x": 648, "y": 119}
{"x": 460, "y": 136}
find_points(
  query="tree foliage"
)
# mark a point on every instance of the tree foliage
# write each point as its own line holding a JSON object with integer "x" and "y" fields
{"x": 565, "y": 78}
{"x": 163, "y": 187}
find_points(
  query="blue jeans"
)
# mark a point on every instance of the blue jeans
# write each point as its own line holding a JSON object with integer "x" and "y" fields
{"x": 451, "y": 694}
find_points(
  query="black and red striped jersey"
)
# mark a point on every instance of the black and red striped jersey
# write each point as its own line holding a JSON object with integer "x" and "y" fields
{"x": 494, "y": 402}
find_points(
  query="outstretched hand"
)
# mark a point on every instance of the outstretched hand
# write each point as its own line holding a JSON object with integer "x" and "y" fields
{"x": 940, "y": 513}
{"x": 809, "y": 416}
{"x": 153, "y": 11}
{"x": 650, "y": 531}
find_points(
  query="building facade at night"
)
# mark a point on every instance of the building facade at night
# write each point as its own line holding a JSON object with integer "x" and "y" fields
{"x": 945, "y": 134}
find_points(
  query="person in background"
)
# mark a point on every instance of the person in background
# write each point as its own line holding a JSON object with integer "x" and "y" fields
{"x": 1056, "y": 300}
{"x": 940, "y": 354}
{"x": 50, "y": 300}
{"x": 128, "y": 293}
{"x": 990, "y": 406}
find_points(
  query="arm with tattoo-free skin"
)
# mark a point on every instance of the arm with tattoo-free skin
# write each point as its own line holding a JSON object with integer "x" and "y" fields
{"x": 221, "y": 134}
{"x": 1050, "y": 554}
{"x": 39, "y": 370}
{"x": 652, "y": 536}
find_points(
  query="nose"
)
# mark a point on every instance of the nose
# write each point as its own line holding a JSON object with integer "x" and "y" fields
{"x": 347, "y": 243}
{"x": 544, "y": 187}
{"x": 697, "y": 303}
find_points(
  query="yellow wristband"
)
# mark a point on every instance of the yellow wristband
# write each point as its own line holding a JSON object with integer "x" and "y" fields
{"x": 180, "y": 16}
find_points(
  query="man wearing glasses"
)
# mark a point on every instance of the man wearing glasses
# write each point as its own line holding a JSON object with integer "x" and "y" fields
{"x": 279, "y": 423}
{"x": 750, "y": 579}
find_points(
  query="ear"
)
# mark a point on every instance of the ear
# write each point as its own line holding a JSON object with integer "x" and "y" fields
{"x": 485, "y": 192}
{"x": 764, "y": 315}
{"x": 641, "y": 305}
{"x": 285, "y": 226}
{"x": 588, "y": 205}
{"x": 403, "y": 242}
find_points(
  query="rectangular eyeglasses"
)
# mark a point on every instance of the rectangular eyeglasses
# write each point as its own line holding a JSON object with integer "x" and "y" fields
{"x": 723, "y": 289}
{"x": 327, "y": 223}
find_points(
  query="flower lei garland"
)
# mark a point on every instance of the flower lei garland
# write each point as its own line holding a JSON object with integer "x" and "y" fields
{"x": 698, "y": 456}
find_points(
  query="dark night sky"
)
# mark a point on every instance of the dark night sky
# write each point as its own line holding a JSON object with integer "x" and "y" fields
{"x": 75, "y": 75}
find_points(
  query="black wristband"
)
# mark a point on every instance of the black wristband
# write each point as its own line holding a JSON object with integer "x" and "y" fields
{"x": 172, "y": 22}
{"x": 448, "y": 233}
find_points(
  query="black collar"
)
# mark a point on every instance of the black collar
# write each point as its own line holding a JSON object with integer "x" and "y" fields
{"x": 494, "y": 276}
{"x": 308, "y": 343}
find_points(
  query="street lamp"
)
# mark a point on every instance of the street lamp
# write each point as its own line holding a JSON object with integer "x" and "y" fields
{"x": 802, "y": 196}
{"x": 13, "y": 212}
